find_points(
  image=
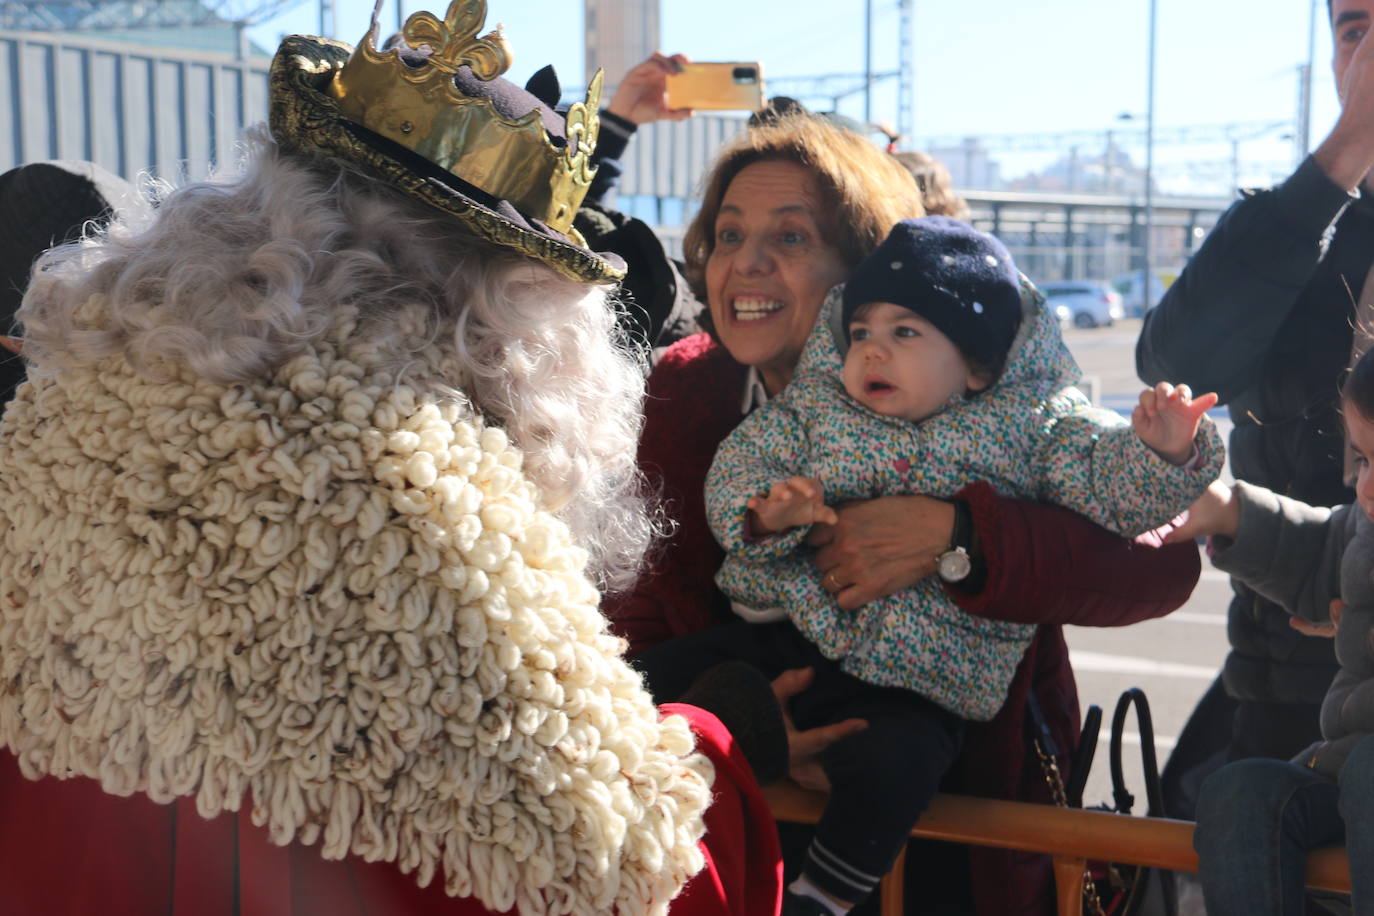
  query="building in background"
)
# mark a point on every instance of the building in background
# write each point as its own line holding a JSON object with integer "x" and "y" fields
{"x": 618, "y": 35}
{"x": 970, "y": 165}
{"x": 139, "y": 87}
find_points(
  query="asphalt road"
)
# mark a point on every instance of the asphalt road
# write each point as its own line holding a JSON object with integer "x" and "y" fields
{"x": 1173, "y": 659}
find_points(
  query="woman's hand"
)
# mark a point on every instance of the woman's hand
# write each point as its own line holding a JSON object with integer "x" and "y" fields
{"x": 642, "y": 96}
{"x": 804, "y": 748}
{"x": 13, "y": 344}
{"x": 1216, "y": 512}
{"x": 881, "y": 546}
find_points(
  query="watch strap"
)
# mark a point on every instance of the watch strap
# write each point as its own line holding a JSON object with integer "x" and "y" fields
{"x": 962, "y": 533}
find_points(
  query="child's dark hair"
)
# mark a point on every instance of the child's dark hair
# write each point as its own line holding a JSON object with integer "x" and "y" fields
{"x": 1358, "y": 390}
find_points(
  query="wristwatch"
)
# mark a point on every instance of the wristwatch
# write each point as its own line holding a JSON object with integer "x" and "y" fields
{"x": 955, "y": 564}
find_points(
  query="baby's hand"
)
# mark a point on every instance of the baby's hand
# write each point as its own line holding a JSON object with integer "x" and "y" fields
{"x": 1166, "y": 420}
{"x": 790, "y": 503}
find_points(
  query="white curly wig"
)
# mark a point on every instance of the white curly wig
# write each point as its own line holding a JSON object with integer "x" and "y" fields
{"x": 234, "y": 276}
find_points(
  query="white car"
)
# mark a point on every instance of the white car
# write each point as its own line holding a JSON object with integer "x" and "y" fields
{"x": 1089, "y": 304}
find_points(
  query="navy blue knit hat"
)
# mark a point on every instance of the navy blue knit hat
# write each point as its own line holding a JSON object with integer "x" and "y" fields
{"x": 959, "y": 279}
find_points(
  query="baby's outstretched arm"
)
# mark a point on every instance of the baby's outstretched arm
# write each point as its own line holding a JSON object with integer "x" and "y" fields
{"x": 1166, "y": 419}
{"x": 790, "y": 503}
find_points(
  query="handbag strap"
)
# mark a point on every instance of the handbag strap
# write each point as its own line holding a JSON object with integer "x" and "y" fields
{"x": 1092, "y": 902}
{"x": 1081, "y": 760}
{"x": 1154, "y": 795}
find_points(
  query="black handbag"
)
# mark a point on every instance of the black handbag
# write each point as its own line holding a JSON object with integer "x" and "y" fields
{"x": 1112, "y": 888}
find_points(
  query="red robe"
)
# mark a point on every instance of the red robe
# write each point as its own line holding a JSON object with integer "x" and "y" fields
{"x": 69, "y": 849}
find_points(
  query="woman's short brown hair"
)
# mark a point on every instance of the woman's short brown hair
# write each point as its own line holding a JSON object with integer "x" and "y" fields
{"x": 864, "y": 192}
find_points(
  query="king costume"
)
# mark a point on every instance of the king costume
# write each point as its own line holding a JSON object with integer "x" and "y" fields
{"x": 329, "y": 612}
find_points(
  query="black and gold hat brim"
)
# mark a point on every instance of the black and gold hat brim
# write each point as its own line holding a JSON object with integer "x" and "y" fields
{"x": 304, "y": 118}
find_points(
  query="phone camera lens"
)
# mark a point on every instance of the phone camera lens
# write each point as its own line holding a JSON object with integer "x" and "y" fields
{"x": 746, "y": 75}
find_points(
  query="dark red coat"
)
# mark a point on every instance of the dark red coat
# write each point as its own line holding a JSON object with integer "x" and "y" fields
{"x": 69, "y": 849}
{"x": 1045, "y": 565}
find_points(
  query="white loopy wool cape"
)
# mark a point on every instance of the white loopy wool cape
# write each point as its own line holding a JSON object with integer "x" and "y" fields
{"x": 335, "y": 596}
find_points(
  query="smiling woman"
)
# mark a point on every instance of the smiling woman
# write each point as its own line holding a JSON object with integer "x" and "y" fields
{"x": 907, "y": 420}
{"x": 771, "y": 267}
{"x": 789, "y": 211}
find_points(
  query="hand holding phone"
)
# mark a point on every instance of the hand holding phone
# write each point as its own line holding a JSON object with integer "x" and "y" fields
{"x": 641, "y": 97}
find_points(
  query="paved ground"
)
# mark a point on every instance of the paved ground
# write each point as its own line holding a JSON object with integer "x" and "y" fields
{"x": 1173, "y": 659}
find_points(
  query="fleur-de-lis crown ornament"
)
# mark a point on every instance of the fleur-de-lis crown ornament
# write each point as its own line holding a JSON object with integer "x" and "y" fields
{"x": 434, "y": 117}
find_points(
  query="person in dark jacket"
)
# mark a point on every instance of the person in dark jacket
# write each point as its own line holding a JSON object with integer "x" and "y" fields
{"x": 657, "y": 302}
{"x": 1262, "y": 315}
{"x": 1259, "y": 818}
{"x": 45, "y": 204}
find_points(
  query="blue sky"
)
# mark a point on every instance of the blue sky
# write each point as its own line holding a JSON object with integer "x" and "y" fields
{"x": 999, "y": 66}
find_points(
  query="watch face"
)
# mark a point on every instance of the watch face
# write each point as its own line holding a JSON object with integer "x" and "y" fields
{"x": 954, "y": 565}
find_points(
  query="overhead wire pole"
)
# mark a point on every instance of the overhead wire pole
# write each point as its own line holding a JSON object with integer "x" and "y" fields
{"x": 1149, "y": 156}
{"x": 1304, "y": 133}
{"x": 868, "y": 62}
{"x": 906, "y": 84}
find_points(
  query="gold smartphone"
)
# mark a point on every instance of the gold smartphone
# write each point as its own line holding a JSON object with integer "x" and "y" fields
{"x": 722, "y": 86}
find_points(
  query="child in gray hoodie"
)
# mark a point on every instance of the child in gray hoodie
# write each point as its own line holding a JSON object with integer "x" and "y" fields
{"x": 1258, "y": 818}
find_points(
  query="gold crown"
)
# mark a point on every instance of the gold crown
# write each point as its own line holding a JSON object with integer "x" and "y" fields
{"x": 423, "y": 110}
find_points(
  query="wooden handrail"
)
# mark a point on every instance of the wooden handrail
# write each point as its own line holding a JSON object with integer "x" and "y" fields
{"x": 1068, "y": 834}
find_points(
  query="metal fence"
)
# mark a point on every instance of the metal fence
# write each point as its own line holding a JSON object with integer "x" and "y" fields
{"x": 1052, "y": 236}
{"x": 1093, "y": 236}
{"x": 664, "y": 168}
{"x": 669, "y": 159}
{"x": 129, "y": 109}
